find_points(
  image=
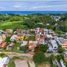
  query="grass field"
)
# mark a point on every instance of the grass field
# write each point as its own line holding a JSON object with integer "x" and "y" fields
{"x": 12, "y": 25}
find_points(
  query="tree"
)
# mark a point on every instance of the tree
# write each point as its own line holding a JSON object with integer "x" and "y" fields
{"x": 28, "y": 23}
{"x": 60, "y": 49}
{"x": 59, "y": 57}
{"x": 52, "y": 57}
{"x": 24, "y": 48}
{"x": 66, "y": 64}
{"x": 39, "y": 57}
{"x": 43, "y": 48}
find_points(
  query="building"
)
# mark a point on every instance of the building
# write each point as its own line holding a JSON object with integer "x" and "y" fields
{"x": 4, "y": 61}
{"x": 31, "y": 45}
{"x": 64, "y": 44}
{"x": 39, "y": 35}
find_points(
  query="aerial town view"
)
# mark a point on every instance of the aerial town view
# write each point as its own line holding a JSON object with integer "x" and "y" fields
{"x": 33, "y": 33}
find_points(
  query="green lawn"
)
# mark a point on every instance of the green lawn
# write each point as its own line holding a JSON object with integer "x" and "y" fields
{"x": 12, "y": 25}
{"x": 11, "y": 63}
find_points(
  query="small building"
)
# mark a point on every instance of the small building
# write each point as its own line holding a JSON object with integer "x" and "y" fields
{"x": 31, "y": 45}
{"x": 9, "y": 31}
{"x": 3, "y": 44}
{"x": 54, "y": 44}
{"x": 56, "y": 18}
{"x": 23, "y": 43}
{"x": 64, "y": 44}
{"x": 13, "y": 37}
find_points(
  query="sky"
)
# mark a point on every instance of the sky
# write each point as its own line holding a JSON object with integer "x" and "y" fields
{"x": 33, "y": 5}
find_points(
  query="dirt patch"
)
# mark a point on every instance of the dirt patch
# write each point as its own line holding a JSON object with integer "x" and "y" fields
{"x": 21, "y": 63}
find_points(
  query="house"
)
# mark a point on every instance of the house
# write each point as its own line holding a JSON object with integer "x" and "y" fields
{"x": 49, "y": 36}
{"x": 46, "y": 31}
{"x": 3, "y": 44}
{"x": 37, "y": 30}
{"x": 59, "y": 40}
{"x": 31, "y": 45}
{"x": 56, "y": 18}
{"x": 13, "y": 37}
{"x": 25, "y": 32}
{"x": 50, "y": 49}
{"x": 20, "y": 38}
{"x": 4, "y": 61}
{"x": 54, "y": 44}
{"x": 64, "y": 44}
{"x": 18, "y": 30}
{"x": 23, "y": 43}
{"x": 39, "y": 35}
{"x": 1, "y": 31}
{"x": 10, "y": 46}
{"x": 3, "y": 37}
{"x": 40, "y": 39}
{"x": 8, "y": 32}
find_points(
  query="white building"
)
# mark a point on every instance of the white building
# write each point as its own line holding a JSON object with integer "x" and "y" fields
{"x": 4, "y": 61}
{"x": 13, "y": 38}
{"x": 54, "y": 44}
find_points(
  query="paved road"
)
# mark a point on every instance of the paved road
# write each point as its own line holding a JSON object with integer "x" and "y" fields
{"x": 12, "y": 54}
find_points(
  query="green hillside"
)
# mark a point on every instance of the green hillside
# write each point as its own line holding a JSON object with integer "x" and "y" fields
{"x": 33, "y": 21}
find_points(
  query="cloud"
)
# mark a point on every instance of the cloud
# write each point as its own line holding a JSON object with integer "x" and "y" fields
{"x": 50, "y": 7}
{"x": 33, "y": 6}
{"x": 17, "y": 6}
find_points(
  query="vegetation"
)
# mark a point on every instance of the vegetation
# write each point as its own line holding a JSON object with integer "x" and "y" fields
{"x": 29, "y": 38}
{"x": 39, "y": 57}
{"x": 43, "y": 48}
{"x": 33, "y": 20}
{"x": 15, "y": 47}
{"x": 60, "y": 49}
{"x": 24, "y": 48}
{"x": 8, "y": 39}
{"x": 2, "y": 55}
{"x": 11, "y": 63}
